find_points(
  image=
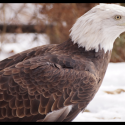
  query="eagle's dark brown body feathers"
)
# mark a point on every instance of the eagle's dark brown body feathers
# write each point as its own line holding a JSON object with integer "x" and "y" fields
{"x": 47, "y": 78}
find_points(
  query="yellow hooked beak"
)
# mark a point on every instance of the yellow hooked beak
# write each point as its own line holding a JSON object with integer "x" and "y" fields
{"x": 123, "y": 24}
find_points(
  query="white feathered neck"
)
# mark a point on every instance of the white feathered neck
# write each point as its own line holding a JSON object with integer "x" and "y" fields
{"x": 94, "y": 29}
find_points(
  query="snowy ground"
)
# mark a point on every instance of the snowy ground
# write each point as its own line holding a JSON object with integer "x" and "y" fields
{"x": 108, "y": 107}
{"x": 23, "y": 42}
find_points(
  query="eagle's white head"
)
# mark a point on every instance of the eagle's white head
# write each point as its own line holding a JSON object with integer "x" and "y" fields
{"x": 99, "y": 27}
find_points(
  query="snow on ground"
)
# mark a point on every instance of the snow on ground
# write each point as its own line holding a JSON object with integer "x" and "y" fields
{"x": 108, "y": 107}
{"x": 23, "y": 42}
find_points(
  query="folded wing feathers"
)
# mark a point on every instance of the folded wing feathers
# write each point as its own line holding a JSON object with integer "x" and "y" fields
{"x": 16, "y": 84}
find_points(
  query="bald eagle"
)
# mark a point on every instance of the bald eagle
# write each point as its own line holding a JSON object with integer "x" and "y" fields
{"x": 56, "y": 82}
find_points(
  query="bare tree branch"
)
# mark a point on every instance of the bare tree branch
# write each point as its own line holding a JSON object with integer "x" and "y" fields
{"x": 25, "y": 28}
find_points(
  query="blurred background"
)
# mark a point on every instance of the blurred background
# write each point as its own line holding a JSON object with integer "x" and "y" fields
{"x": 27, "y": 25}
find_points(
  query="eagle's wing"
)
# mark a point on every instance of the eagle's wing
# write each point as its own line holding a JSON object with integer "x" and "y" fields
{"x": 35, "y": 87}
{"x": 36, "y": 51}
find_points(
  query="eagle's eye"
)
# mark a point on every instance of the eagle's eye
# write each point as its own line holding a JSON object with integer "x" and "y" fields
{"x": 118, "y": 17}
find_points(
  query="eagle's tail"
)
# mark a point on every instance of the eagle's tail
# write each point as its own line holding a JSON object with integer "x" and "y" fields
{"x": 65, "y": 114}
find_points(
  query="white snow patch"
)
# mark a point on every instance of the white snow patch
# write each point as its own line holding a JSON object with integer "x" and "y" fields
{"x": 23, "y": 42}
